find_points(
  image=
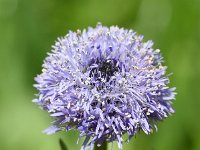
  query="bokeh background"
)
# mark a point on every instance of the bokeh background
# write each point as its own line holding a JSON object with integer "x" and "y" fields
{"x": 28, "y": 28}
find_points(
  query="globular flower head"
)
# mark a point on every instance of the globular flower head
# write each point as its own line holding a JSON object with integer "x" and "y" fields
{"x": 104, "y": 82}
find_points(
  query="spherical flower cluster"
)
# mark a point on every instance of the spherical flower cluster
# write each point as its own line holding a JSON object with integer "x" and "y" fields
{"x": 104, "y": 82}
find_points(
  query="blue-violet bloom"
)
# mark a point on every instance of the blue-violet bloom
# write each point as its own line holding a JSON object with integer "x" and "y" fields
{"x": 104, "y": 82}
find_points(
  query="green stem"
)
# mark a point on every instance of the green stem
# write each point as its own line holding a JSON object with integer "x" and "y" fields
{"x": 62, "y": 145}
{"x": 102, "y": 147}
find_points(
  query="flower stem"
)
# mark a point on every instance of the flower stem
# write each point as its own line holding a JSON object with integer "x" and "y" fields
{"x": 102, "y": 147}
{"x": 62, "y": 145}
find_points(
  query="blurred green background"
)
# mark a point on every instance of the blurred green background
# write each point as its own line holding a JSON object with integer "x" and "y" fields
{"x": 28, "y": 28}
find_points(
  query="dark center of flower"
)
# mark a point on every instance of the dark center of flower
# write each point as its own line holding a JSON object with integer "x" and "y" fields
{"x": 105, "y": 69}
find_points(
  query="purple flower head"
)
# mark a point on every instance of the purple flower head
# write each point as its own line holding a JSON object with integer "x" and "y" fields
{"x": 104, "y": 82}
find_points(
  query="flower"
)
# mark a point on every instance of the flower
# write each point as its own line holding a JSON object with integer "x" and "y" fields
{"x": 104, "y": 82}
